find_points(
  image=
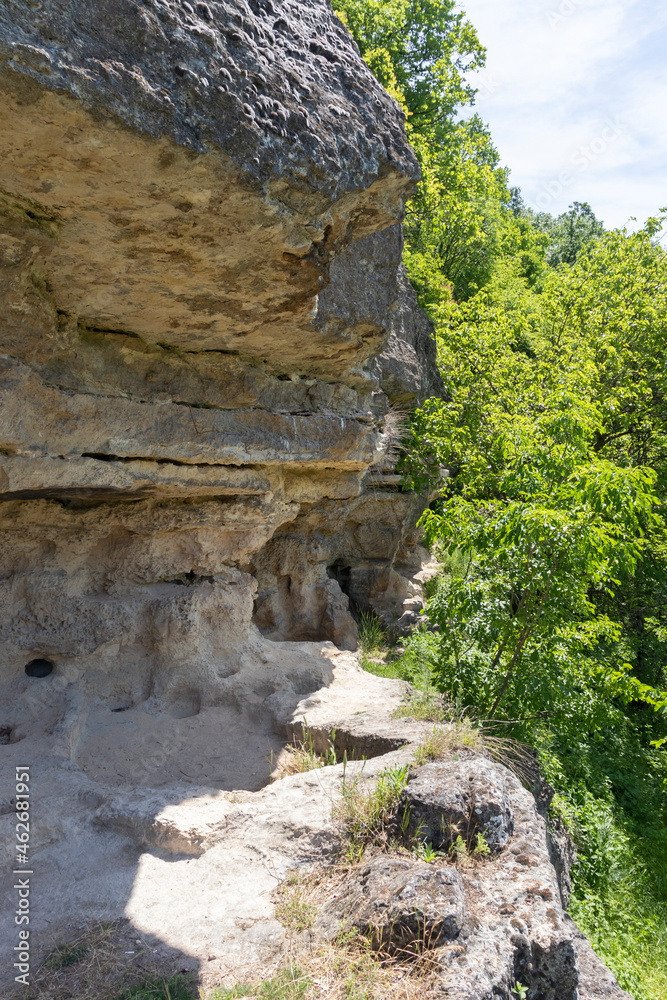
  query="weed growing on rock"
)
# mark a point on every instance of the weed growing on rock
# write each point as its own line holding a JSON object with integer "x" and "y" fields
{"x": 301, "y": 756}
{"x": 443, "y": 742}
{"x": 427, "y": 853}
{"x": 365, "y": 809}
{"x": 372, "y": 632}
{"x": 427, "y": 705}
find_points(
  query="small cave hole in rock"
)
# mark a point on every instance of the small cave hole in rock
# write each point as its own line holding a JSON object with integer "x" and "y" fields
{"x": 9, "y": 735}
{"x": 39, "y": 668}
{"x": 190, "y": 579}
{"x": 341, "y": 574}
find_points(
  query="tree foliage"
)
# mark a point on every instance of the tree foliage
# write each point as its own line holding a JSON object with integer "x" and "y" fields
{"x": 553, "y": 490}
{"x": 549, "y": 452}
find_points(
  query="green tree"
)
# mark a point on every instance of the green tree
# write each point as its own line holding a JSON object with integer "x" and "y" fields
{"x": 552, "y": 490}
{"x": 570, "y": 233}
{"x": 421, "y": 51}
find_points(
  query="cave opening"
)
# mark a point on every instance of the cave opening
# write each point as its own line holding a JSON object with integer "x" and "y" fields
{"x": 342, "y": 574}
{"x": 39, "y": 668}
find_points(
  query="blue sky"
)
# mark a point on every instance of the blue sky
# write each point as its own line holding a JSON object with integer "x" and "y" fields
{"x": 575, "y": 94}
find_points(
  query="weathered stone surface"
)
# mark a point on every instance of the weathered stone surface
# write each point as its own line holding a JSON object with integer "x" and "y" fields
{"x": 459, "y": 798}
{"x": 199, "y": 263}
{"x": 104, "y": 107}
{"x": 407, "y": 366}
{"x": 402, "y": 906}
{"x": 36, "y": 420}
{"x": 352, "y": 547}
{"x": 188, "y": 71}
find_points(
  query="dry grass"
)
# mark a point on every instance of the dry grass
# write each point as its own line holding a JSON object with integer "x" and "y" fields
{"x": 455, "y": 731}
{"x": 106, "y": 963}
{"x": 294, "y": 909}
{"x": 301, "y": 756}
{"x": 347, "y": 969}
{"x": 296, "y": 760}
{"x": 447, "y": 741}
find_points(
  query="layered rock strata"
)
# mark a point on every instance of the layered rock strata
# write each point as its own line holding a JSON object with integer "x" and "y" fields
{"x": 200, "y": 250}
{"x": 201, "y": 265}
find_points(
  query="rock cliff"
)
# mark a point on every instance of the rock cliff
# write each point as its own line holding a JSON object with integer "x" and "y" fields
{"x": 201, "y": 265}
{"x": 206, "y": 344}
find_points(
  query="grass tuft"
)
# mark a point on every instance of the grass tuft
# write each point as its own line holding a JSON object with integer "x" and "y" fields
{"x": 373, "y": 635}
{"x": 301, "y": 756}
{"x": 289, "y": 984}
{"x": 293, "y": 909}
{"x": 366, "y": 807}
{"x": 179, "y": 987}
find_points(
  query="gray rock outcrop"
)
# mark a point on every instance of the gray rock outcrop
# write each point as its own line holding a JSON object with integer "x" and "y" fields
{"x": 490, "y": 922}
{"x": 404, "y": 908}
{"x": 448, "y": 800}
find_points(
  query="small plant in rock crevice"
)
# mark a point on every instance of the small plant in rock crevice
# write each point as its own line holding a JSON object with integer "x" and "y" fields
{"x": 427, "y": 853}
{"x": 445, "y": 741}
{"x": 301, "y": 756}
{"x": 373, "y": 634}
{"x": 365, "y": 809}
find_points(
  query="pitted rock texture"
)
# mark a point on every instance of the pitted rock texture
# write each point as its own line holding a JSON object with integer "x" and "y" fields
{"x": 515, "y": 929}
{"x": 277, "y": 85}
{"x": 463, "y": 798}
{"x": 403, "y": 907}
{"x": 509, "y": 924}
{"x": 300, "y": 153}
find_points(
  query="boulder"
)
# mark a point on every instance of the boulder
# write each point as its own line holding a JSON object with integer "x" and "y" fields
{"x": 463, "y": 798}
{"x": 401, "y": 906}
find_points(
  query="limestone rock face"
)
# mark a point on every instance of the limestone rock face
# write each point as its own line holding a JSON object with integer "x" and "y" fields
{"x": 200, "y": 247}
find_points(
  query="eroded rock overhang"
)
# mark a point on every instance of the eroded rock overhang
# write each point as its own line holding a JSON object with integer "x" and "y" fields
{"x": 200, "y": 246}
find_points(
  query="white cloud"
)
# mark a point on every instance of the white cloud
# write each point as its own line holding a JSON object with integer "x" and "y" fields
{"x": 558, "y": 73}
